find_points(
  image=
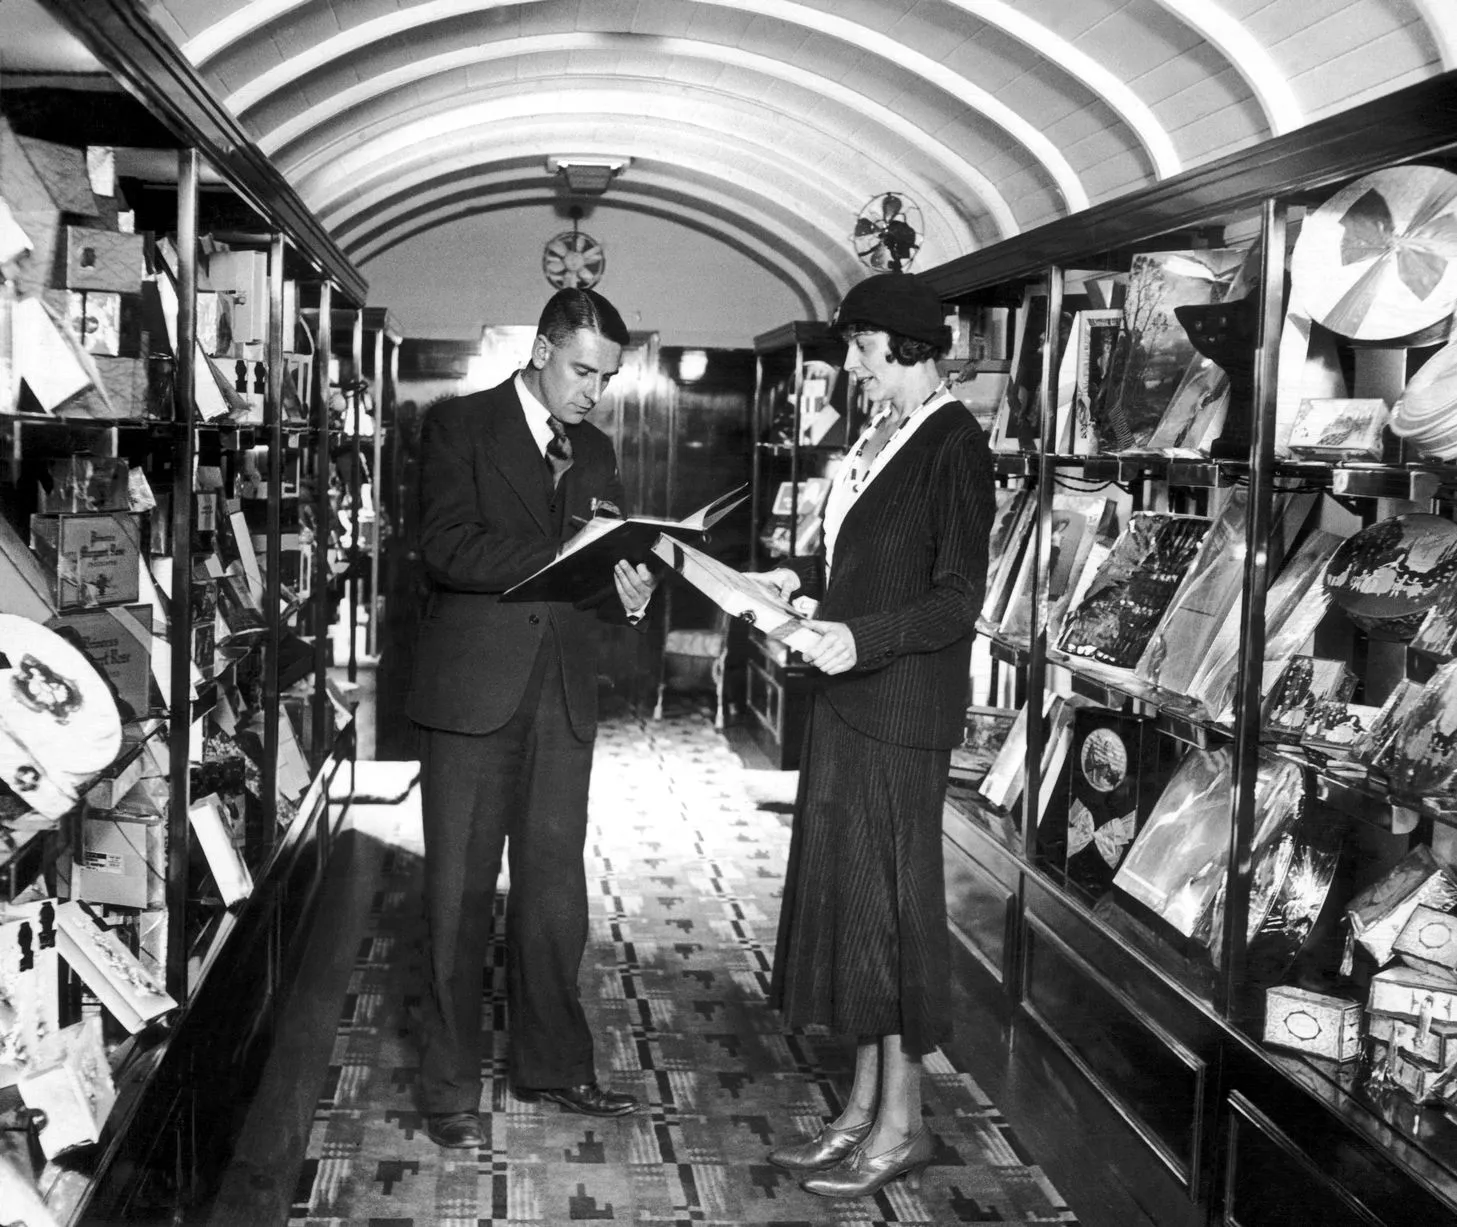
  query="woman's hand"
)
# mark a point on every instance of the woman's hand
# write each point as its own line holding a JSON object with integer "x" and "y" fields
{"x": 835, "y": 651}
{"x": 781, "y": 581}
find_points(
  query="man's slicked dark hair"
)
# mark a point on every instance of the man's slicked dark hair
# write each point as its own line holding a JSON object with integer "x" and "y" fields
{"x": 569, "y": 311}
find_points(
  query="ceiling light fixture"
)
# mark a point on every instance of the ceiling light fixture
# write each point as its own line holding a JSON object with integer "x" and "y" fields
{"x": 586, "y": 176}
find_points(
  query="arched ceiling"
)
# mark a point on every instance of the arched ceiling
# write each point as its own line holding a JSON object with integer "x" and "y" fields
{"x": 768, "y": 124}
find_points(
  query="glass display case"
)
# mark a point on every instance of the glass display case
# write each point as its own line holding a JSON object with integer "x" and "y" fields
{"x": 1204, "y": 837}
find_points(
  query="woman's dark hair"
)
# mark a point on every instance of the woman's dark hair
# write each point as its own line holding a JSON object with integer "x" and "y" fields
{"x": 571, "y": 310}
{"x": 908, "y": 351}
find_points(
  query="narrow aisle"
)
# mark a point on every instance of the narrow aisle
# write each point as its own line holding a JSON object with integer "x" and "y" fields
{"x": 685, "y": 872}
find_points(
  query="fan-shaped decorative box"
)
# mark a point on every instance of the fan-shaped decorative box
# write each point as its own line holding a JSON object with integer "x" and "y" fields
{"x": 1378, "y": 259}
{"x": 1387, "y": 576}
{"x": 1426, "y": 412}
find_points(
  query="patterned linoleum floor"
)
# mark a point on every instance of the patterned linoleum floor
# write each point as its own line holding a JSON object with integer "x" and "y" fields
{"x": 685, "y": 872}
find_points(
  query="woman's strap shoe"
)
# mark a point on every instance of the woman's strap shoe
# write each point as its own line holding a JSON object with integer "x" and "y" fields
{"x": 825, "y": 1149}
{"x": 862, "y": 1175}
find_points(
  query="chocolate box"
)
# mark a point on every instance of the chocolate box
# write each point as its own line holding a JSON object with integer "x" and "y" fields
{"x": 104, "y": 964}
{"x": 90, "y": 559}
{"x": 1428, "y": 942}
{"x": 118, "y": 641}
{"x": 1379, "y": 913}
{"x": 104, "y": 260}
{"x": 1437, "y": 1046}
{"x": 1321, "y": 1025}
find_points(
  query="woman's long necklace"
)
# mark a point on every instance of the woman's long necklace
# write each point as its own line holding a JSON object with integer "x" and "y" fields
{"x": 862, "y": 459}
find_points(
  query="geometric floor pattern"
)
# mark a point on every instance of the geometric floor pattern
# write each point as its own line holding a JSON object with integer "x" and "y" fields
{"x": 685, "y": 872}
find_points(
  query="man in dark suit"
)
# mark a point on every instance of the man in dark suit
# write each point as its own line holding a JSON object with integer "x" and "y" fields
{"x": 506, "y": 697}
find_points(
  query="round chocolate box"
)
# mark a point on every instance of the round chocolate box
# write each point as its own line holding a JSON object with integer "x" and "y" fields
{"x": 1387, "y": 576}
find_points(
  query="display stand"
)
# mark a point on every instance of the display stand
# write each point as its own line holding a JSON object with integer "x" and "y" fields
{"x": 806, "y": 414}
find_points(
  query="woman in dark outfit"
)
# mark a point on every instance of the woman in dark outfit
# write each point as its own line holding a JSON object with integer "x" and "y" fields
{"x": 862, "y": 944}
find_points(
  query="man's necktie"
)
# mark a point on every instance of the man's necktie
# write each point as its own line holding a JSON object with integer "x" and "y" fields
{"x": 558, "y": 451}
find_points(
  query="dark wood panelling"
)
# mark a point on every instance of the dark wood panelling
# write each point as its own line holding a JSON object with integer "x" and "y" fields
{"x": 1269, "y": 1182}
{"x": 1157, "y": 1083}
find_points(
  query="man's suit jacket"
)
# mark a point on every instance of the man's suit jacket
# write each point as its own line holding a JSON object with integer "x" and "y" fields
{"x": 908, "y": 578}
{"x": 486, "y": 524}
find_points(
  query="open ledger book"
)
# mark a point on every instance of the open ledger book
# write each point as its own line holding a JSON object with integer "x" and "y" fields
{"x": 737, "y": 594}
{"x": 583, "y": 568}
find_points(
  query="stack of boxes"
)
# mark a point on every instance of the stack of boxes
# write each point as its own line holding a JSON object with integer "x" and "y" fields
{"x": 1404, "y": 920}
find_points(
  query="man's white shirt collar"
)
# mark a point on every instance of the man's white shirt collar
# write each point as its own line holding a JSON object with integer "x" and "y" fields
{"x": 537, "y": 416}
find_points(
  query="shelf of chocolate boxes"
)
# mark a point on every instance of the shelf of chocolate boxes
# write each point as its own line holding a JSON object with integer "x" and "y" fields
{"x": 83, "y": 622}
{"x": 1406, "y": 1032}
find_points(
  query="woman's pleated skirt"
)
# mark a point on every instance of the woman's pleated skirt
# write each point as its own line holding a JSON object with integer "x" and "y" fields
{"x": 862, "y": 945}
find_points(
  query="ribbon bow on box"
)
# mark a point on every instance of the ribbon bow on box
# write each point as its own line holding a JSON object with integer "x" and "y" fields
{"x": 1111, "y": 838}
{"x": 1422, "y": 253}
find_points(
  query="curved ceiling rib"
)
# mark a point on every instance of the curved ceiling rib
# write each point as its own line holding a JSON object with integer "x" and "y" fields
{"x": 1253, "y": 63}
{"x": 1096, "y": 79}
{"x": 235, "y": 27}
{"x": 726, "y": 177}
{"x": 713, "y": 141}
{"x": 1440, "y": 17}
{"x": 1043, "y": 150}
{"x": 955, "y": 166}
{"x": 773, "y": 226}
{"x": 815, "y": 290}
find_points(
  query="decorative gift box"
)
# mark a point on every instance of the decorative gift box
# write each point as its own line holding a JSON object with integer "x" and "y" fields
{"x": 84, "y": 483}
{"x": 1336, "y": 429}
{"x": 104, "y": 260}
{"x": 1428, "y": 942}
{"x": 1379, "y": 913}
{"x": 91, "y": 559}
{"x": 1436, "y": 1046}
{"x": 1306, "y": 682}
{"x": 97, "y": 955}
{"x": 76, "y": 1093}
{"x": 1313, "y": 1022}
{"x": 121, "y": 859}
{"x": 118, "y": 641}
{"x": 1415, "y": 997}
{"x": 1424, "y": 1082}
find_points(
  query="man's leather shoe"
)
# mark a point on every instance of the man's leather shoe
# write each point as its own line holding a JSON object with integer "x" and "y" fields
{"x": 455, "y": 1130}
{"x": 589, "y": 1099}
